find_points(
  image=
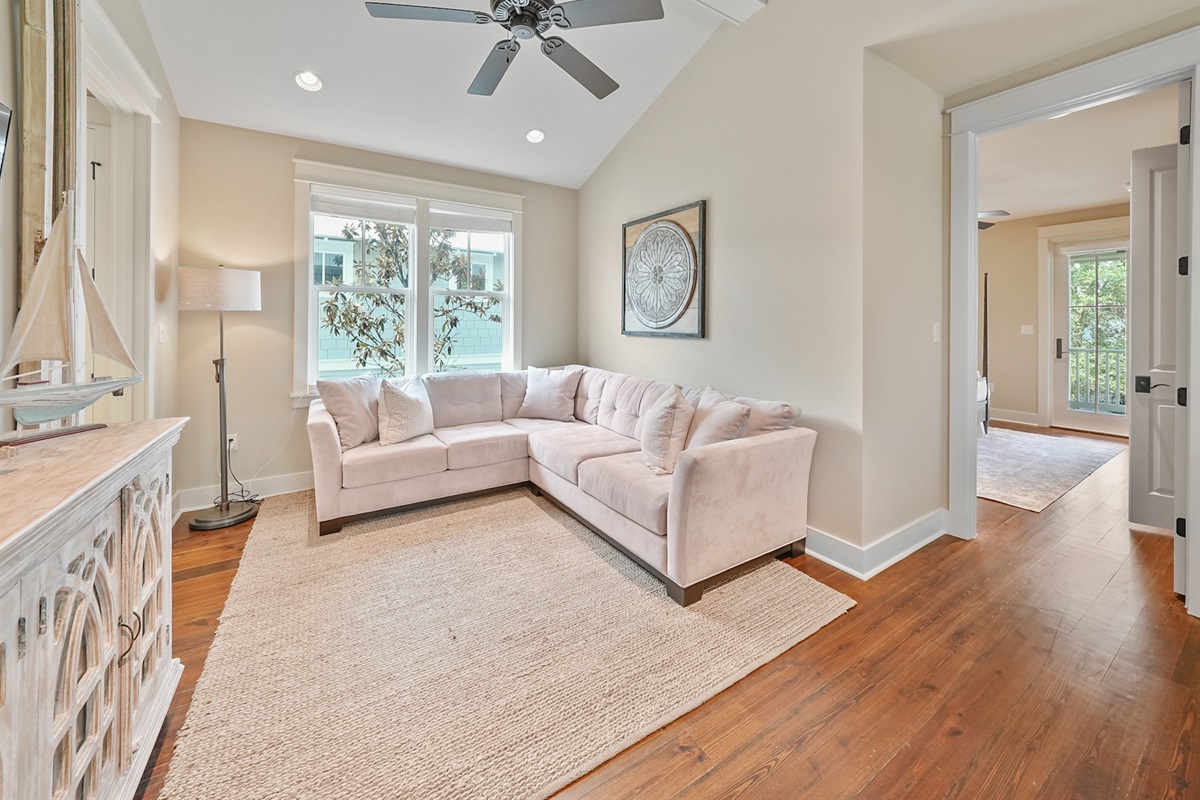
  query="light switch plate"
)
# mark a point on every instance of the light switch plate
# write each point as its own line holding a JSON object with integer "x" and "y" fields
{"x": 1027, "y": 330}
{"x": 937, "y": 332}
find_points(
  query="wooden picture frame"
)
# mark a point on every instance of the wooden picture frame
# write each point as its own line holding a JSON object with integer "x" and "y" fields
{"x": 663, "y": 274}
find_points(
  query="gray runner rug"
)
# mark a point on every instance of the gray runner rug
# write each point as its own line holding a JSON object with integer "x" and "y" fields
{"x": 486, "y": 648}
{"x": 1032, "y": 470}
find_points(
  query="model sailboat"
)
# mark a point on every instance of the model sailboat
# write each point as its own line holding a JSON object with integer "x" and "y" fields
{"x": 45, "y": 330}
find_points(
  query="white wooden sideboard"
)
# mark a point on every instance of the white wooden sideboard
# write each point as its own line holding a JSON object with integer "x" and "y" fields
{"x": 86, "y": 672}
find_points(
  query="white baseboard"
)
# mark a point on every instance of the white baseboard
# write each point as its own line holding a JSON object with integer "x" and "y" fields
{"x": 1019, "y": 417}
{"x": 865, "y": 563}
{"x": 202, "y": 497}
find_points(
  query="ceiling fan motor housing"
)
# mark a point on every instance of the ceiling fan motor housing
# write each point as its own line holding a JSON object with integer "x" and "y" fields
{"x": 525, "y": 19}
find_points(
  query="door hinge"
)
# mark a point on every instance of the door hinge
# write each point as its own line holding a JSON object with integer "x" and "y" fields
{"x": 1181, "y": 527}
{"x": 21, "y": 638}
{"x": 1183, "y": 265}
{"x": 1181, "y": 396}
{"x": 1185, "y": 134}
{"x": 42, "y": 616}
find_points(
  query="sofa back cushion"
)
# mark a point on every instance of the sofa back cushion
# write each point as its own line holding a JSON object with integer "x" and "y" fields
{"x": 460, "y": 398}
{"x": 626, "y": 399}
{"x": 587, "y": 395}
{"x": 512, "y": 392}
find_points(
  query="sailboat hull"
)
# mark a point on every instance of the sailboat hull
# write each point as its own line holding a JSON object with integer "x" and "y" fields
{"x": 34, "y": 405}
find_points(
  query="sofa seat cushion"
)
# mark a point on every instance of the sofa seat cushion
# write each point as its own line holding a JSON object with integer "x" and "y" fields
{"x": 562, "y": 450}
{"x": 623, "y": 483}
{"x": 369, "y": 464}
{"x": 535, "y": 425}
{"x": 478, "y": 444}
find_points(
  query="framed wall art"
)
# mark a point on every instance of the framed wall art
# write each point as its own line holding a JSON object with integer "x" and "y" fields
{"x": 662, "y": 278}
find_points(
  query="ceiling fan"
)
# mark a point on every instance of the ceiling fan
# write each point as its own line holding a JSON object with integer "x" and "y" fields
{"x": 528, "y": 19}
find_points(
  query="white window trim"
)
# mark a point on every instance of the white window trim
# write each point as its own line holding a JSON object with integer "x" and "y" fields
{"x": 356, "y": 182}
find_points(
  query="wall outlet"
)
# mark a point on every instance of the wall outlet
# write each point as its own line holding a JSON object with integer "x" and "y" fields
{"x": 231, "y": 441}
{"x": 1027, "y": 330}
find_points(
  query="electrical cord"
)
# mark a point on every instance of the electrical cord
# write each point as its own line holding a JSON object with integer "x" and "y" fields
{"x": 243, "y": 493}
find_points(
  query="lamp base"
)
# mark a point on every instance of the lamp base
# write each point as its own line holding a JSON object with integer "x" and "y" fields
{"x": 223, "y": 515}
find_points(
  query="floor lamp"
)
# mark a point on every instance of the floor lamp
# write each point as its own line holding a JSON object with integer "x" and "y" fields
{"x": 220, "y": 289}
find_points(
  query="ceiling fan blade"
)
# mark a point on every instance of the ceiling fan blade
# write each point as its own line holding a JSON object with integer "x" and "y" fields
{"x": 590, "y": 13}
{"x": 575, "y": 64}
{"x": 494, "y": 67}
{"x": 400, "y": 11}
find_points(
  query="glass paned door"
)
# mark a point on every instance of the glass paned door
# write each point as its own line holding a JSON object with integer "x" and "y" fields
{"x": 1097, "y": 332}
{"x": 1092, "y": 344}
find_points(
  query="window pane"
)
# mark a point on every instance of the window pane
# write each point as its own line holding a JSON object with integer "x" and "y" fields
{"x": 1083, "y": 280}
{"x": 1083, "y": 328}
{"x": 1110, "y": 328}
{"x": 462, "y": 260}
{"x": 360, "y": 332}
{"x": 467, "y": 333}
{"x": 1111, "y": 278}
{"x": 339, "y": 245}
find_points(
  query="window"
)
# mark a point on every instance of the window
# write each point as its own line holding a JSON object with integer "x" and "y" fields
{"x": 1098, "y": 343}
{"x": 399, "y": 283}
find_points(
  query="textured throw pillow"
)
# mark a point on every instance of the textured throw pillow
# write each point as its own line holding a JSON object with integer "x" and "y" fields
{"x": 717, "y": 420}
{"x": 664, "y": 431}
{"x": 353, "y": 403}
{"x": 404, "y": 410}
{"x": 765, "y": 415}
{"x": 551, "y": 394}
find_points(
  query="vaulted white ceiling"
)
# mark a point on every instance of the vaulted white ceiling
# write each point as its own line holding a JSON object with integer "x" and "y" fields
{"x": 400, "y": 86}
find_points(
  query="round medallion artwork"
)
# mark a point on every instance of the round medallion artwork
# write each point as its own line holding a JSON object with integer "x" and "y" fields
{"x": 662, "y": 274}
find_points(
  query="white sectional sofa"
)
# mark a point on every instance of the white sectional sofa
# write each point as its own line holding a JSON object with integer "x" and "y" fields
{"x": 726, "y": 504}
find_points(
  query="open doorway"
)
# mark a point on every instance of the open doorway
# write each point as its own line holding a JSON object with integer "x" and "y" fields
{"x": 1056, "y": 276}
{"x": 1167, "y": 61}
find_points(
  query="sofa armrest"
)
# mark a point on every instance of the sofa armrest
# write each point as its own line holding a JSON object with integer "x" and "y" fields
{"x": 326, "y": 460}
{"x": 734, "y": 501}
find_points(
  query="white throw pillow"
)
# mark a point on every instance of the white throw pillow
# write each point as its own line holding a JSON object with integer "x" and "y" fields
{"x": 404, "y": 410}
{"x": 717, "y": 420}
{"x": 551, "y": 394}
{"x": 664, "y": 431}
{"x": 353, "y": 403}
{"x": 766, "y": 416}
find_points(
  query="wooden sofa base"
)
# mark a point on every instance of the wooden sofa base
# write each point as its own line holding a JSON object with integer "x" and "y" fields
{"x": 683, "y": 595}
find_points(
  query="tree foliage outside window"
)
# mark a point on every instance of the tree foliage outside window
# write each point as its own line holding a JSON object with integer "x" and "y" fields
{"x": 374, "y": 321}
{"x": 1098, "y": 333}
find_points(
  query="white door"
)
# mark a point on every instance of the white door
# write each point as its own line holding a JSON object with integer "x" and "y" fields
{"x": 1154, "y": 416}
{"x": 1091, "y": 341}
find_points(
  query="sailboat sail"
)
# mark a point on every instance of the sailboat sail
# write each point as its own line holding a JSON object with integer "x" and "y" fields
{"x": 43, "y": 329}
{"x": 43, "y": 333}
{"x": 105, "y": 339}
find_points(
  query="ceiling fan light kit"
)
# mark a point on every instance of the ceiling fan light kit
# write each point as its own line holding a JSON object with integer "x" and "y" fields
{"x": 529, "y": 19}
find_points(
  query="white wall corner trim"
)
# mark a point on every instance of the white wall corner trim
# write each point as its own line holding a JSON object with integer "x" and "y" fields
{"x": 865, "y": 563}
{"x": 112, "y": 68}
{"x": 202, "y": 497}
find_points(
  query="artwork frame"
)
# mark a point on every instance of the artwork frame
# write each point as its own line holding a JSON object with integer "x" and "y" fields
{"x": 664, "y": 273}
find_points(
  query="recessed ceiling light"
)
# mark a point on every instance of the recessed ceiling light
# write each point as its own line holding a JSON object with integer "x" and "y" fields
{"x": 535, "y": 135}
{"x": 308, "y": 81}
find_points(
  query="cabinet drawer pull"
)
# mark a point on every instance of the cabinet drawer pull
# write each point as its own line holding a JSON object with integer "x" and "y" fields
{"x": 132, "y": 638}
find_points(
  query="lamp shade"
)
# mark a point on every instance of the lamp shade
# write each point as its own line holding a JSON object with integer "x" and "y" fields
{"x": 219, "y": 289}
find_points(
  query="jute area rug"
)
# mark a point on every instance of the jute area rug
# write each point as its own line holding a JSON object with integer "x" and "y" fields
{"x": 1032, "y": 470}
{"x": 487, "y": 648}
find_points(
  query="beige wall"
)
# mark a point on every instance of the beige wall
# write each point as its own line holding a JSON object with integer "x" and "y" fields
{"x": 9, "y": 212}
{"x": 1008, "y": 253}
{"x": 238, "y": 209}
{"x": 767, "y": 124}
{"x": 905, "y": 283}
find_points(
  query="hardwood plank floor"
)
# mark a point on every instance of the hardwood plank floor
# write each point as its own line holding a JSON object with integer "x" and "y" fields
{"x": 1048, "y": 658}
